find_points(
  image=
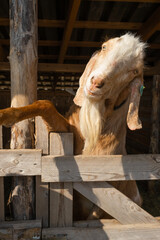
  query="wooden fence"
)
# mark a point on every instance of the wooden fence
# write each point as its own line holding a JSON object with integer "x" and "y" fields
{"x": 58, "y": 172}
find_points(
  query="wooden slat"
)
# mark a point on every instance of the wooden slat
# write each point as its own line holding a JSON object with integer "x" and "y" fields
{"x": 20, "y": 162}
{"x": 1, "y": 138}
{"x": 42, "y": 136}
{"x": 68, "y": 29}
{"x": 61, "y": 194}
{"x": 154, "y": 144}
{"x": 2, "y": 215}
{"x": 61, "y": 144}
{"x": 110, "y": 199}
{"x": 151, "y": 25}
{"x": 20, "y": 230}
{"x": 100, "y": 168}
{"x": 42, "y": 189}
{"x": 123, "y": 232}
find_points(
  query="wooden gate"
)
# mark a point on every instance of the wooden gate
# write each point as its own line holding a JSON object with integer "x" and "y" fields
{"x": 58, "y": 172}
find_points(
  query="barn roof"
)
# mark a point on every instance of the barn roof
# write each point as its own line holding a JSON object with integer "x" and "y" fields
{"x": 70, "y": 31}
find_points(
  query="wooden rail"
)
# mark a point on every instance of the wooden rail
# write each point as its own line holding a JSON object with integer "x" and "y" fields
{"x": 59, "y": 174}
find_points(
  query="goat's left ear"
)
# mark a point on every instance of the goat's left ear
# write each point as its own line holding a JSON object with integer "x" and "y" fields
{"x": 78, "y": 100}
{"x": 133, "y": 120}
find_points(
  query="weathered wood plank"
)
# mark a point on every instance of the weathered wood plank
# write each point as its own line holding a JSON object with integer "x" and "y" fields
{"x": 42, "y": 135}
{"x": 42, "y": 204}
{"x": 16, "y": 230}
{"x": 42, "y": 189}
{"x": 61, "y": 144}
{"x": 110, "y": 199}
{"x": 61, "y": 194}
{"x": 100, "y": 168}
{"x": 20, "y": 162}
{"x": 125, "y": 232}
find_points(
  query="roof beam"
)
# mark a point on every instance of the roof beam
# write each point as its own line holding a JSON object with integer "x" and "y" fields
{"x": 151, "y": 25}
{"x": 82, "y": 24}
{"x": 50, "y": 67}
{"x": 49, "y": 43}
{"x": 70, "y": 68}
{"x": 68, "y": 29}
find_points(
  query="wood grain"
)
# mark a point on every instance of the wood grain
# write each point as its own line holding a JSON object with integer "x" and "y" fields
{"x": 42, "y": 189}
{"x": 114, "y": 202}
{"x": 24, "y": 162}
{"x": 61, "y": 194}
{"x": 124, "y": 232}
{"x": 100, "y": 168}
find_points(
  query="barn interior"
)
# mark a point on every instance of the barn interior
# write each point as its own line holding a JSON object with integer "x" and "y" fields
{"x": 69, "y": 32}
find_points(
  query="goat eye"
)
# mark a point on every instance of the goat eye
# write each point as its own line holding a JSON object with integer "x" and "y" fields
{"x": 104, "y": 47}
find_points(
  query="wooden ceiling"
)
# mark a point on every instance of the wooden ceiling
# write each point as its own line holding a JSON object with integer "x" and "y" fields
{"x": 70, "y": 31}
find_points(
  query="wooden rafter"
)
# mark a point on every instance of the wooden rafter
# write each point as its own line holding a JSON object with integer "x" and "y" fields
{"x": 82, "y": 24}
{"x": 68, "y": 29}
{"x": 74, "y": 68}
{"x": 151, "y": 25}
{"x": 49, "y": 43}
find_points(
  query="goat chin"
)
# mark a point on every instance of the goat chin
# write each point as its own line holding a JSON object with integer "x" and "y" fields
{"x": 91, "y": 122}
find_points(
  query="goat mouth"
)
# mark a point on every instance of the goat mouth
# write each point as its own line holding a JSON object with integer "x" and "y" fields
{"x": 92, "y": 93}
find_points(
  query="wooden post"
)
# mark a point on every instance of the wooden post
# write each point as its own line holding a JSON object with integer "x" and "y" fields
{"x": 23, "y": 62}
{"x": 2, "y": 215}
{"x": 154, "y": 144}
{"x": 42, "y": 189}
{"x": 61, "y": 194}
{"x": 154, "y": 140}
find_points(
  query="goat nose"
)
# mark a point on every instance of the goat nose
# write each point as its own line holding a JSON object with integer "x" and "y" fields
{"x": 97, "y": 82}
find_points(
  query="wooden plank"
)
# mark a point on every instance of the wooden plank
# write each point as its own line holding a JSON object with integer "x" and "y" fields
{"x": 154, "y": 144}
{"x": 151, "y": 25}
{"x": 16, "y": 230}
{"x": 42, "y": 136}
{"x": 61, "y": 144}
{"x": 42, "y": 189}
{"x": 123, "y": 232}
{"x": 100, "y": 168}
{"x": 20, "y": 162}
{"x": 110, "y": 199}
{"x": 61, "y": 194}
{"x": 2, "y": 213}
{"x": 1, "y": 138}
{"x": 72, "y": 14}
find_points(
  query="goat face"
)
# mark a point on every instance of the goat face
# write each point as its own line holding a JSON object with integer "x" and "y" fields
{"x": 116, "y": 65}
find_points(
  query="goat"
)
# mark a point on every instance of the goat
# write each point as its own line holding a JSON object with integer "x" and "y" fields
{"x": 107, "y": 98}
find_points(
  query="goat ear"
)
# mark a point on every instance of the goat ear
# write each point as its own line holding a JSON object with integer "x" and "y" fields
{"x": 133, "y": 120}
{"x": 78, "y": 100}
